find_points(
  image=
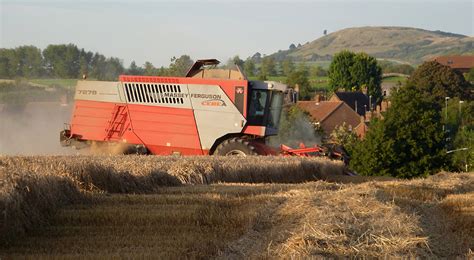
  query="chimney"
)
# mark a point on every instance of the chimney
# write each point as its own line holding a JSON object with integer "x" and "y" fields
{"x": 318, "y": 98}
{"x": 368, "y": 116}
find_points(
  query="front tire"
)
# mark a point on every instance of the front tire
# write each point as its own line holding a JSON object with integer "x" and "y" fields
{"x": 235, "y": 147}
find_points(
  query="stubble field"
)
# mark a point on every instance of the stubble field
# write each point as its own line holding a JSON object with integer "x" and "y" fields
{"x": 220, "y": 207}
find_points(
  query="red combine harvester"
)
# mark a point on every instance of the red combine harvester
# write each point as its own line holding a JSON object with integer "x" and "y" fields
{"x": 210, "y": 111}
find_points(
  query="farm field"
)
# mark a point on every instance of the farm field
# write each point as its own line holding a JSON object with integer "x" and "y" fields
{"x": 219, "y": 207}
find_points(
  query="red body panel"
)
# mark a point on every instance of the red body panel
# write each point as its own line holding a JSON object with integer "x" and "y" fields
{"x": 165, "y": 130}
{"x": 254, "y": 130}
{"x": 162, "y": 130}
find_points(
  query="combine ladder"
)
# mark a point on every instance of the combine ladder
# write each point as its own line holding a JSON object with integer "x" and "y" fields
{"x": 116, "y": 123}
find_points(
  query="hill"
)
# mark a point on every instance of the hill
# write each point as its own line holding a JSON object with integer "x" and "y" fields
{"x": 402, "y": 44}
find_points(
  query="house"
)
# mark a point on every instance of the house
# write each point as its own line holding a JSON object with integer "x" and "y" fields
{"x": 460, "y": 63}
{"x": 358, "y": 101}
{"x": 389, "y": 87}
{"x": 330, "y": 114}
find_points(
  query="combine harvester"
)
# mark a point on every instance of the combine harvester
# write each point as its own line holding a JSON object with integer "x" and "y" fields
{"x": 209, "y": 112}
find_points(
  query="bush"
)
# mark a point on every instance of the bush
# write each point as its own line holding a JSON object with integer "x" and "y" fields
{"x": 408, "y": 142}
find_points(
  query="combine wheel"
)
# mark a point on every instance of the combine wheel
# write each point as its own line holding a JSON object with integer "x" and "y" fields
{"x": 235, "y": 147}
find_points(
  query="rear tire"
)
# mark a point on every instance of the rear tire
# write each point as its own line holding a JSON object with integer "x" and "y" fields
{"x": 235, "y": 147}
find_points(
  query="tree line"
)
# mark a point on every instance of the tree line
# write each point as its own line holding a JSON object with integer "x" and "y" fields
{"x": 69, "y": 61}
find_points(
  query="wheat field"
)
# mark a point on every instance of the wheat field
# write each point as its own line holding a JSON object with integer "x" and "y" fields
{"x": 221, "y": 207}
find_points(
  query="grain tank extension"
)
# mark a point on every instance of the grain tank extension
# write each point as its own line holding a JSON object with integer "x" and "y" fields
{"x": 210, "y": 111}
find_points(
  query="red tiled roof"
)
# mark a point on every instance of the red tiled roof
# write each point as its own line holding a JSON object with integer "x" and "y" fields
{"x": 319, "y": 110}
{"x": 457, "y": 62}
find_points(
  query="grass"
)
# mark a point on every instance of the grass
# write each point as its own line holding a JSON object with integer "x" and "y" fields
{"x": 68, "y": 83}
{"x": 395, "y": 79}
{"x": 17, "y": 94}
{"x": 143, "y": 206}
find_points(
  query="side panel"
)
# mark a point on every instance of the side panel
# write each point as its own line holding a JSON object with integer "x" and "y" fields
{"x": 165, "y": 130}
{"x": 104, "y": 91}
{"x": 91, "y": 118}
{"x": 215, "y": 114}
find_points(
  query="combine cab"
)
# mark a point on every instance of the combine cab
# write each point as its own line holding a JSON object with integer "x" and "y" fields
{"x": 210, "y": 111}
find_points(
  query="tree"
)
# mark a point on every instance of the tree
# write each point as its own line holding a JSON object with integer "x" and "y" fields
{"x": 29, "y": 61}
{"x": 257, "y": 57}
{"x": 318, "y": 71}
{"x": 113, "y": 68}
{"x": 340, "y": 71}
{"x": 463, "y": 160}
{"x": 150, "y": 70}
{"x": 287, "y": 67}
{"x": 300, "y": 78}
{"x": 133, "y": 69}
{"x": 470, "y": 75}
{"x": 460, "y": 130}
{"x": 180, "y": 66}
{"x": 408, "y": 142}
{"x": 390, "y": 67}
{"x": 98, "y": 64}
{"x": 162, "y": 71}
{"x": 267, "y": 68}
{"x": 342, "y": 135}
{"x": 292, "y": 46}
{"x": 62, "y": 60}
{"x": 354, "y": 72}
{"x": 8, "y": 63}
{"x": 236, "y": 60}
{"x": 437, "y": 81}
{"x": 85, "y": 61}
{"x": 249, "y": 68}
{"x": 367, "y": 75}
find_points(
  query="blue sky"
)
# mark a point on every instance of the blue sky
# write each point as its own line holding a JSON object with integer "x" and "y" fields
{"x": 157, "y": 30}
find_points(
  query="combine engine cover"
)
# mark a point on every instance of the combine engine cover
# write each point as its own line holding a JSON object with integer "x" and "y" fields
{"x": 167, "y": 115}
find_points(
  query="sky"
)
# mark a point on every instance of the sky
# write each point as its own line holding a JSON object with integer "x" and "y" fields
{"x": 155, "y": 31}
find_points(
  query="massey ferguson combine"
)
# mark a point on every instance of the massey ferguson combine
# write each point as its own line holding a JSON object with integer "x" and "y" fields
{"x": 210, "y": 111}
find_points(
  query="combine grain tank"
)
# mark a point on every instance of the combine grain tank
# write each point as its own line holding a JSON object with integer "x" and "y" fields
{"x": 210, "y": 111}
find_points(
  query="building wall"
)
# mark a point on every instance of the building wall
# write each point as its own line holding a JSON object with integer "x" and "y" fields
{"x": 342, "y": 114}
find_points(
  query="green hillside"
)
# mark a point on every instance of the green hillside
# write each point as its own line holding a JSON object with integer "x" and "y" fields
{"x": 400, "y": 44}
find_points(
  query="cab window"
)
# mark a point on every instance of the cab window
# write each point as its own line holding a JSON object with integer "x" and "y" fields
{"x": 257, "y": 104}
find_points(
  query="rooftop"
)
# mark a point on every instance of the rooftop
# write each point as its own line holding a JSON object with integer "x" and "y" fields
{"x": 355, "y": 98}
{"x": 319, "y": 110}
{"x": 457, "y": 61}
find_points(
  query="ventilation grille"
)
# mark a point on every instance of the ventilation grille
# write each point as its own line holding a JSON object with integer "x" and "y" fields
{"x": 153, "y": 93}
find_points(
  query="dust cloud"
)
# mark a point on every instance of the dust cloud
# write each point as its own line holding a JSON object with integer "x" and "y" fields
{"x": 33, "y": 129}
{"x": 295, "y": 130}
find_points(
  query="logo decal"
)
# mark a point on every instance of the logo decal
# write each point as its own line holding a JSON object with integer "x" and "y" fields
{"x": 213, "y": 103}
